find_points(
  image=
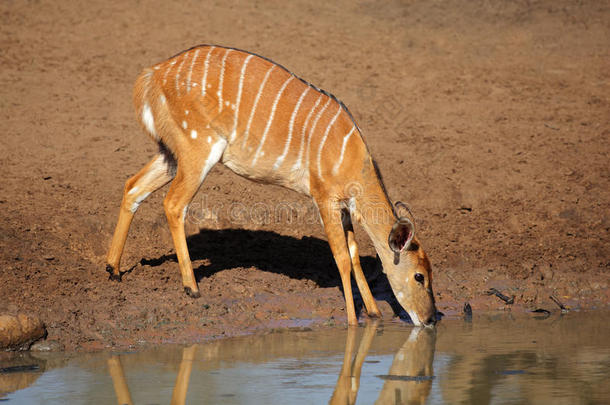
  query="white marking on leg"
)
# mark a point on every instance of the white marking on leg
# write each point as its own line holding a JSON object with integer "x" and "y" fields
{"x": 171, "y": 64}
{"x": 188, "y": 78}
{"x": 148, "y": 120}
{"x": 221, "y": 79}
{"x": 193, "y": 134}
{"x": 280, "y": 159}
{"x": 138, "y": 201}
{"x": 256, "y": 100}
{"x": 177, "y": 80}
{"x": 330, "y": 124}
{"x": 216, "y": 152}
{"x": 239, "y": 90}
{"x": 303, "y": 131}
{"x": 206, "y": 66}
{"x": 270, "y": 120}
{"x": 345, "y": 139}
{"x": 134, "y": 190}
{"x": 184, "y": 210}
{"x": 313, "y": 128}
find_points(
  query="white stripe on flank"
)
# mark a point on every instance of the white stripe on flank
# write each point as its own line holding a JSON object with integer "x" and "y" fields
{"x": 177, "y": 78}
{"x": 256, "y": 100}
{"x": 297, "y": 164}
{"x": 188, "y": 78}
{"x": 241, "y": 85}
{"x": 313, "y": 128}
{"x": 206, "y": 66}
{"x": 193, "y": 134}
{"x": 280, "y": 160}
{"x": 270, "y": 120}
{"x": 171, "y": 64}
{"x": 345, "y": 139}
{"x": 215, "y": 154}
{"x": 148, "y": 120}
{"x": 222, "y": 76}
{"x": 330, "y": 124}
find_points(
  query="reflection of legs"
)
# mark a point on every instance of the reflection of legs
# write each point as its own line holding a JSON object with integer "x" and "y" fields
{"x": 153, "y": 176}
{"x": 331, "y": 217}
{"x": 182, "y": 381}
{"x": 365, "y": 292}
{"x": 118, "y": 381}
{"x": 348, "y": 382}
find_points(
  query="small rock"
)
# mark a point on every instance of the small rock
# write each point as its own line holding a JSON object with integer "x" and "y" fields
{"x": 47, "y": 346}
{"x": 20, "y": 331}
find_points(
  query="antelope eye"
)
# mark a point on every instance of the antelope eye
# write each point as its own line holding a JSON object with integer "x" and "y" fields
{"x": 419, "y": 277}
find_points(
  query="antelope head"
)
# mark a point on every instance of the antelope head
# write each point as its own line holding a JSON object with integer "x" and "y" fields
{"x": 409, "y": 273}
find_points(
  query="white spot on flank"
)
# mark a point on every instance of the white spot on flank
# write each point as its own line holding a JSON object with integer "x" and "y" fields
{"x": 280, "y": 159}
{"x": 239, "y": 90}
{"x": 256, "y": 100}
{"x": 214, "y": 156}
{"x": 162, "y": 99}
{"x": 186, "y": 112}
{"x": 227, "y": 103}
{"x": 270, "y": 119}
{"x": 207, "y": 126}
{"x": 156, "y": 67}
{"x": 330, "y": 124}
{"x": 400, "y": 295}
{"x": 193, "y": 134}
{"x": 188, "y": 78}
{"x": 148, "y": 120}
{"x": 206, "y": 66}
{"x": 209, "y": 86}
{"x": 184, "y": 125}
{"x": 209, "y": 139}
{"x": 345, "y": 139}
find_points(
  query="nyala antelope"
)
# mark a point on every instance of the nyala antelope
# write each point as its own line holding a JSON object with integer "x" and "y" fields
{"x": 213, "y": 104}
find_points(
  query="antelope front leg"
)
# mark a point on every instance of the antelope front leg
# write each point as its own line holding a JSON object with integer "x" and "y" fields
{"x": 331, "y": 217}
{"x": 363, "y": 286}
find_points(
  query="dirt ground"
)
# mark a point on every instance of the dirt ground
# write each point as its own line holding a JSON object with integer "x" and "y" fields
{"x": 491, "y": 119}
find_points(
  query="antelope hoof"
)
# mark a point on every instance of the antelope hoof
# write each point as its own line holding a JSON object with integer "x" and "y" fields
{"x": 113, "y": 276}
{"x": 374, "y": 315}
{"x": 191, "y": 293}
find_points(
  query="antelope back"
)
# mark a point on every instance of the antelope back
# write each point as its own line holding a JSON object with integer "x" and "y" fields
{"x": 278, "y": 128}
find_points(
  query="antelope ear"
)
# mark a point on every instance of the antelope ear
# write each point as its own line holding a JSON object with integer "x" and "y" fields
{"x": 401, "y": 235}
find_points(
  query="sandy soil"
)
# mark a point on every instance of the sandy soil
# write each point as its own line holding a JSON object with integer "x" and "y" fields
{"x": 490, "y": 118}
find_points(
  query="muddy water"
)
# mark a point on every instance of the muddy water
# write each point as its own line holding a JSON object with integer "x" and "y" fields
{"x": 493, "y": 358}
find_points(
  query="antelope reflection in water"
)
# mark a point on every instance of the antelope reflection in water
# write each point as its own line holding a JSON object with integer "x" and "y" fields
{"x": 180, "y": 388}
{"x": 409, "y": 379}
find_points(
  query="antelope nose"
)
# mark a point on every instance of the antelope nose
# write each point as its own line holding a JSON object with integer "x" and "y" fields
{"x": 431, "y": 321}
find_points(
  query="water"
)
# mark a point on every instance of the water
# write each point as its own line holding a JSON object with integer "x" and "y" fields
{"x": 493, "y": 359}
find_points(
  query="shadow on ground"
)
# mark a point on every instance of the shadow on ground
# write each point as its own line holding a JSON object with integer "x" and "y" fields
{"x": 305, "y": 258}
